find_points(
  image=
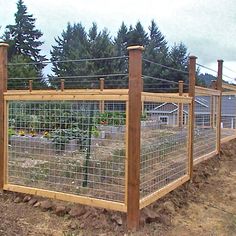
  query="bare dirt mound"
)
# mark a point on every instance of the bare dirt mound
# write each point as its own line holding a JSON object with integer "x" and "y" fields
{"x": 207, "y": 206}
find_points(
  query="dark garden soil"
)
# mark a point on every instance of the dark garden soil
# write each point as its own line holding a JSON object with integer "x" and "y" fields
{"x": 207, "y": 206}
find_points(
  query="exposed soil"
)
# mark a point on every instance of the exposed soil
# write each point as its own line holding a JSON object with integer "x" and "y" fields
{"x": 207, "y": 206}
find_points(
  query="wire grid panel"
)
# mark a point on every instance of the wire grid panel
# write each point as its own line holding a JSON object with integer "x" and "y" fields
{"x": 205, "y": 127}
{"x": 164, "y": 151}
{"x": 228, "y": 115}
{"x": 68, "y": 146}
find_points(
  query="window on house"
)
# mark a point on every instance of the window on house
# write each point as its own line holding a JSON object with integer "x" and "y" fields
{"x": 163, "y": 119}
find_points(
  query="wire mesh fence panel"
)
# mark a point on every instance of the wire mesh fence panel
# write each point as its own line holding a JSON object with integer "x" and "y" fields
{"x": 205, "y": 127}
{"x": 68, "y": 146}
{"x": 164, "y": 152}
{"x": 228, "y": 116}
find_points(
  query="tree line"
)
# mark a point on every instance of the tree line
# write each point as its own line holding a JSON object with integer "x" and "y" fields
{"x": 76, "y": 43}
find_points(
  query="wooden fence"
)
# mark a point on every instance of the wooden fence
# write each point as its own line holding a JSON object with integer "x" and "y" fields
{"x": 121, "y": 162}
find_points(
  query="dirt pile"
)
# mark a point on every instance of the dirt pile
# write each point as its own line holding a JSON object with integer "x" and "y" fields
{"x": 205, "y": 206}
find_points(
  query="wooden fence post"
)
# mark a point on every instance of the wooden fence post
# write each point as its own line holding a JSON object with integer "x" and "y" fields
{"x": 3, "y": 88}
{"x": 213, "y": 111}
{"x": 134, "y": 119}
{"x": 180, "y": 105}
{"x": 62, "y": 85}
{"x": 192, "y": 79}
{"x": 219, "y": 87}
{"x": 101, "y": 103}
{"x": 30, "y": 85}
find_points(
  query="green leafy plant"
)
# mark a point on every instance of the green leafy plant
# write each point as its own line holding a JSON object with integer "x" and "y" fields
{"x": 95, "y": 132}
{"x": 61, "y": 137}
{"x": 111, "y": 118}
{"x": 11, "y": 132}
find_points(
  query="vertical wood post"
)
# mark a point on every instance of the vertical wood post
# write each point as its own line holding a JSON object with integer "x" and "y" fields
{"x": 3, "y": 88}
{"x": 101, "y": 103}
{"x": 142, "y": 84}
{"x": 219, "y": 87}
{"x": 212, "y": 116}
{"x": 135, "y": 88}
{"x": 30, "y": 85}
{"x": 180, "y": 105}
{"x": 192, "y": 79}
{"x": 62, "y": 85}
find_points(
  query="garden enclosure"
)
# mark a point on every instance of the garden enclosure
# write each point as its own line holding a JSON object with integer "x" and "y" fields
{"x": 119, "y": 142}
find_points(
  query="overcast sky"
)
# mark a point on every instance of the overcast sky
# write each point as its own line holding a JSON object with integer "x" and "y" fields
{"x": 206, "y": 27}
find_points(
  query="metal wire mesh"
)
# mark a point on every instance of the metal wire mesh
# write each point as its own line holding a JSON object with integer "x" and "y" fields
{"x": 205, "y": 131}
{"x": 228, "y": 115}
{"x": 68, "y": 146}
{"x": 164, "y": 152}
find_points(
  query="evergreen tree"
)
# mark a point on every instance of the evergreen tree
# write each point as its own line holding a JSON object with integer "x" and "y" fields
{"x": 205, "y": 79}
{"x": 100, "y": 46}
{"x": 178, "y": 56}
{"x": 23, "y": 36}
{"x": 156, "y": 51}
{"x": 137, "y": 35}
{"x": 24, "y": 41}
{"x": 71, "y": 45}
{"x": 75, "y": 44}
{"x": 20, "y": 74}
{"x": 121, "y": 41}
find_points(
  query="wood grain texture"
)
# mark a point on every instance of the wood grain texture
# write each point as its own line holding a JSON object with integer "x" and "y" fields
{"x": 219, "y": 88}
{"x": 116, "y": 206}
{"x": 3, "y": 88}
{"x": 192, "y": 82}
{"x": 134, "y": 120}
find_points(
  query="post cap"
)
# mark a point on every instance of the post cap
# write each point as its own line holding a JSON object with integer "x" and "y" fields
{"x": 101, "y": 78}
{"x": 4, "y": 45}
{"x": 220, "y": 60}
{"x": 192, "y": 57}
{"x": 141, "y": 48}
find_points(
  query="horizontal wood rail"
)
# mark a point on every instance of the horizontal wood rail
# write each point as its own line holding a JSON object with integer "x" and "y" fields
{"x": 229, "y": 86}
{"x": 165, "y": 97}
{"x": 227, "y": 139}
{"x": 205, "y": 157}
{"x": 228, "y": 93}
{"x": 206, "y": 91}
{"x": 83, "y": 94}
{"x": 116, "y": 206}
{"x": 162, "y": 192}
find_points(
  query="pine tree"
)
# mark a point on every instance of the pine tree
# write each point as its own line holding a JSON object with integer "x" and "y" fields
{"x": 75, "y": 43}
{"x": 23, "y": 36}
{"x": 100, "y": 46}
{"x": 178, "y": 59}
{"x": 156, "y": 51}
{"x": 120, "y": 47}
{"x": 24, "y": 42}
{"x": 121, "y": 41}
{"x": 137, "y": 35}
{"x": 18, "y": 74}
{"x": 71, "y": 45}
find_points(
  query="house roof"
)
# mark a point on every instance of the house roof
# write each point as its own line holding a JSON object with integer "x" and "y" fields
{"x": 202, "y": 106}
{"x": 228, "y": 105}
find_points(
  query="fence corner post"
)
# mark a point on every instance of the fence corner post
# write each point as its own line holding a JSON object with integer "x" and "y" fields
{"x": 134, "y": 130}
{"x": 219, "y": 87}
{"x": 192, "y": 82}
{"x": 3, "y": 88}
